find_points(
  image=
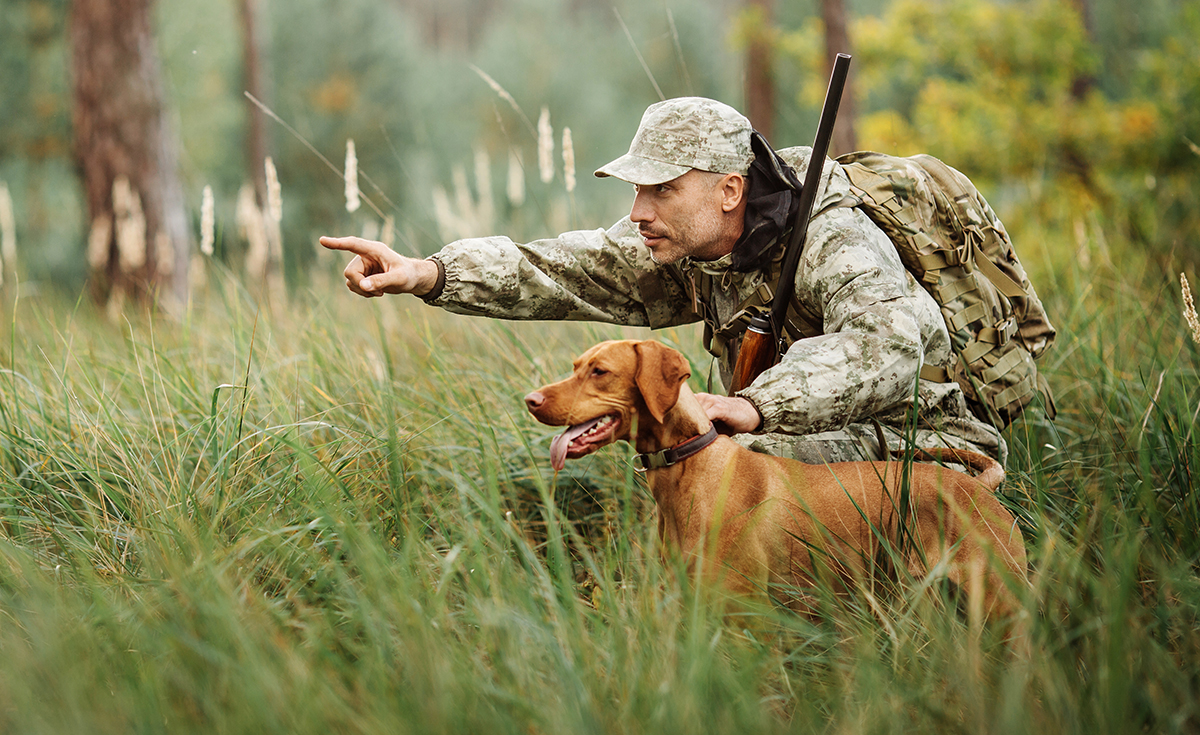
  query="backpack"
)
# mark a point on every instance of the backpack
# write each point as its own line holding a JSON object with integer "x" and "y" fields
{"x": 949, "y": 238}
{"x": 955, "y": 246}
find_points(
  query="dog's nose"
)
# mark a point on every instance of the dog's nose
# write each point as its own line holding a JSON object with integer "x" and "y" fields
{"x": 534, "y": 400}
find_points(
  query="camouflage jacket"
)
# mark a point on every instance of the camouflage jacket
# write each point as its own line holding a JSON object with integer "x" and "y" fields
{"x": 873, "y": 325}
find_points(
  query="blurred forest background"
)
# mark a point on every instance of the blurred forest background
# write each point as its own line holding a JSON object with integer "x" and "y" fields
{"x": 329, "y": 516}
{"x": 1077, "y": 117}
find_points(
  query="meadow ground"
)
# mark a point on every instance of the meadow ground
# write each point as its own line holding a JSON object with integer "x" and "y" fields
{"x": 336, "y": 515}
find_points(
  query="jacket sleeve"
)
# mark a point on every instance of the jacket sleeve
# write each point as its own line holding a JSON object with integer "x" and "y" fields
{"x": 876, "y": 322}
{"x": 590, "y": 275}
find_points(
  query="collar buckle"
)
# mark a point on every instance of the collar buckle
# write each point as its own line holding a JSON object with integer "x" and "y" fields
{"x": 666, "y": 457}
{"x": 644, "y": 462}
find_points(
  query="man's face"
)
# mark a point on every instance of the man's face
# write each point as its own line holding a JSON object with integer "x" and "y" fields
{"x": 684, "y": 216}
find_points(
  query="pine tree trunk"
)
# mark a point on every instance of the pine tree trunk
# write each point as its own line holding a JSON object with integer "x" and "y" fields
{"x": 1084, "y": 82}
{"x": 252, "y": 75}
{"x": 126, "y": 153}
{"x": 760, "y": 76}
{"x": 837, "y": 41}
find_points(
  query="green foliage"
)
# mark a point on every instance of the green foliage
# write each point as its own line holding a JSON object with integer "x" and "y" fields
{"x": 35, "y": 82}
{"x": 990, "y": 87}
{"x": 422, "y": 118}
{"x": 1014, "y": 95}
{"x": 307, "y": 520}
{"x": 35, "y": 135}
{"x": 373, "y": 72}
{"x": 338, "y": 516}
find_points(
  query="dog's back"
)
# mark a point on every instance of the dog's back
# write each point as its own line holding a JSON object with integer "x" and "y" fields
{"x": 832, "y": 524}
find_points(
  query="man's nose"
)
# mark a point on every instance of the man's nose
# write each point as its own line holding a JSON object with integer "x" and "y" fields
{"x": 642, "y": 211}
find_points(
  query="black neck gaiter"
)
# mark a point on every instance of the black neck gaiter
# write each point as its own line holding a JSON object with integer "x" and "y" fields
{"x": 773, "y": 196}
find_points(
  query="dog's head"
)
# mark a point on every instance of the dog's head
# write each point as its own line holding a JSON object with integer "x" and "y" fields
{"x": 615, "y": 388}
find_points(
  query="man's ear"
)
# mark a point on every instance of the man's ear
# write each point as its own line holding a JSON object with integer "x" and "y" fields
{"x": 660, "y": 373}
{"x": 733, "y": 192}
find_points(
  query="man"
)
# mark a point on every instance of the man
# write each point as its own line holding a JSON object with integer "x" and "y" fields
{"x": 703, "y": 241}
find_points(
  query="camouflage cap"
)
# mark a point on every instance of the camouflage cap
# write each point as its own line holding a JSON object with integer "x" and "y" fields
{"x": 681, "y": 134}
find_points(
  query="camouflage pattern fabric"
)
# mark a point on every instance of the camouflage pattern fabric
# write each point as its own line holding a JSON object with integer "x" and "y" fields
{"x": 680, "y": 134}
{"x": 877, "y": 325}
{"x": 859, "y": 442}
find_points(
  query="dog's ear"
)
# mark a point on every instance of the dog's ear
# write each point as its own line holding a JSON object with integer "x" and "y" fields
{"x": 660, "y": 373}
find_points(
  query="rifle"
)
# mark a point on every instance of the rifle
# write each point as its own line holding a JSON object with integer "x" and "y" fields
{"x": 762, "y": 344}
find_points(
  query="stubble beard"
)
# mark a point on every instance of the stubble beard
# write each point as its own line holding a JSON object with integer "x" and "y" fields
{"x": 700, "y": 241}
{"x": 659, "y": 260}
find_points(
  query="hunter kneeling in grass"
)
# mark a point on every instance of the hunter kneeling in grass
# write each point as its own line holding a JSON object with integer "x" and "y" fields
{"x": 703, "y": 241}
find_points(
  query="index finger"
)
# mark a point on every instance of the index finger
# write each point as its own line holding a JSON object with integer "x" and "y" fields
{"x": 355, "y": 245}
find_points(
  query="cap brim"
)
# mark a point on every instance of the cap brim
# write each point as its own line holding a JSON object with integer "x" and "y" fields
{"x": 641, "y": 171}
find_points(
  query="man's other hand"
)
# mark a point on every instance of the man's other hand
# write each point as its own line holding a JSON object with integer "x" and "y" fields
{"x": 377, "y": 269}
{"x": 730, "y": 414}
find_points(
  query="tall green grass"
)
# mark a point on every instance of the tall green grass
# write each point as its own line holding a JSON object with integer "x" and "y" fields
{"x": 337, "y": 516}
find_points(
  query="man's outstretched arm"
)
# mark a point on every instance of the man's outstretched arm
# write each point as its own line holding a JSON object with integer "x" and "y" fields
{"x": 377, "y": 269}
{"x": 588, "y": 275}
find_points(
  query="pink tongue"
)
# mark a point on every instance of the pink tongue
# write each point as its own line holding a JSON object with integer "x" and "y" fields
{"x": 558, "y": 446}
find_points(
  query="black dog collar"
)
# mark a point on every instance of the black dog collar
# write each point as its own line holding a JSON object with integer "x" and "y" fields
{"x": 677, "y": 453}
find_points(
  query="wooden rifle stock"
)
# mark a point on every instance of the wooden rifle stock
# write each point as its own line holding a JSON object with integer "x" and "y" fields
{"x": 758, "y": 352}
{"x": 762, "y": 344}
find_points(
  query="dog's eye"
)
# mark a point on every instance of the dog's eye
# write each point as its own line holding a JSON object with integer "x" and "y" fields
{"x": 598, "y": 372}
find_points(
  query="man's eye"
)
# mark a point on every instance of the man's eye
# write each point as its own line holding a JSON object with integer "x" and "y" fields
{"x": 656, "y": 188}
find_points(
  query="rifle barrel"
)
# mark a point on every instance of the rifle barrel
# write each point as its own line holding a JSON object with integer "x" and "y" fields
{"x": 812, "y": 177}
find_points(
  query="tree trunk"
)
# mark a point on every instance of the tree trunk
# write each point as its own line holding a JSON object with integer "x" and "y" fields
{"x": 760, "y": 76}
{"x": 126, "y": 153}
{"x": 1074, "y": 160}
{"x": 837, "y": 41}
{"x": 252, "y": 75}
{"x": 1084, "y": 82}
{"x": 451, "y": 25}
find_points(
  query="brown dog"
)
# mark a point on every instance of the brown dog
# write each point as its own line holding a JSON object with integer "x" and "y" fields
{"x": 768, "y": 525}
